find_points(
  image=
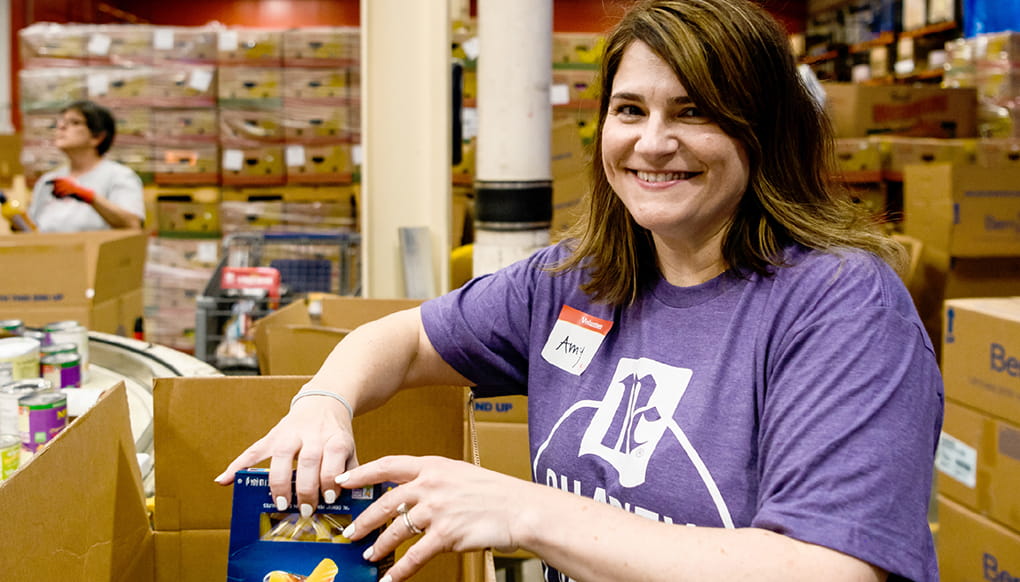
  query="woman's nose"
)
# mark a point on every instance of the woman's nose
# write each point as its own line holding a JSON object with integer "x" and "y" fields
{"x": 656, "y": 139}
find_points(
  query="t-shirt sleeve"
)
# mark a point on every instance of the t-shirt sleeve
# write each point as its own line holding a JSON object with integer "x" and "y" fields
{"x": 849, "y": 425}
{"x": 482, "y": 329}
{"x": 126, "y": 191}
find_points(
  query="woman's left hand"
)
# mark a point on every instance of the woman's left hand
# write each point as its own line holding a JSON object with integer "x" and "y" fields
{"x": 453, "y": 505}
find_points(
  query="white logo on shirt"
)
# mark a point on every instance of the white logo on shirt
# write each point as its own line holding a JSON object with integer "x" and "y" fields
{"x": 637, "y": 411}
{"x": 634, "y": 415}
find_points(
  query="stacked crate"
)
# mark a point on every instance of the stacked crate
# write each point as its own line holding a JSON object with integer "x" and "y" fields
{"x": 65, "y": 63}
{"x": 230, "y": 129}
{"x": 322, "y": 124}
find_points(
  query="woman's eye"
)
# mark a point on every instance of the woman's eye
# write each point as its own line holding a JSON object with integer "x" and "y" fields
{"x": 628, "y": 110}
{"x": 692, "y": 112}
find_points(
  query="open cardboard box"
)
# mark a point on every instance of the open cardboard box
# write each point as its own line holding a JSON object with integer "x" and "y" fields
{"x": 290, "y": 341}
{"x": 76, "y": 512}
{"x": 94, "y": 278}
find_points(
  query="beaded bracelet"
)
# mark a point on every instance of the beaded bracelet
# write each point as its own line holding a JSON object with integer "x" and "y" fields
{"x": 334, "y": 395}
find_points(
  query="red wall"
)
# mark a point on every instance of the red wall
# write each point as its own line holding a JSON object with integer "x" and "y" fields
{"x": 264, "y": 13}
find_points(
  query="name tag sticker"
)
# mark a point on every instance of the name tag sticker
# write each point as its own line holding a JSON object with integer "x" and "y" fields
{"x": 574, "y": 339}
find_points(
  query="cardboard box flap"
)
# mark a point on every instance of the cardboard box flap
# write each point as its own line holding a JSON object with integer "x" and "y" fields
{"x": 93, "y": 524}
{"x": 1007, "y": 308}
{"x": 296, "y": 349}
{"x": 120, "y": 265}
{"x": 201, "y": 424}
{"x": 39, "y": 272}
{"x": 287, "y": 341}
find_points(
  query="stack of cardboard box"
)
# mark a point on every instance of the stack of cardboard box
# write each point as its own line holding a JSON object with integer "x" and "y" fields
{"x": 967, "y": 218}
{"x": 979, "y": 453}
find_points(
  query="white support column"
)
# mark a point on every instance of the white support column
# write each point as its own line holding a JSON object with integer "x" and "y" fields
{"x": 6, "y": 69}
{"x": 514, "y": 180}
{"x": 406, "y": 132}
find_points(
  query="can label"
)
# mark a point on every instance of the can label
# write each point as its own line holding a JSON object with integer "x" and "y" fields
{"x": 61, "y": 348}
{"x": 19, "y": 359}
{"x": 62, "y": 369}
{"x": 10, "y": 394}
{"x": 10, "y": 455}
{"x": 41, "y": 417}
{"x": 70, "y": 332}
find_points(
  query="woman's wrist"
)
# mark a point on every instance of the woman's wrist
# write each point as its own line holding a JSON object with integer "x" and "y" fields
{"x": 323, "y": 394}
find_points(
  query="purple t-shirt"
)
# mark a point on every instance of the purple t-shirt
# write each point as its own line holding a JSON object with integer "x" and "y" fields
{"x": 808, "y": 403}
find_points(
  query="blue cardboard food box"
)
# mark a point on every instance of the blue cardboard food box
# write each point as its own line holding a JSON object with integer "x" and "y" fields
{"x": 267, "y": 545}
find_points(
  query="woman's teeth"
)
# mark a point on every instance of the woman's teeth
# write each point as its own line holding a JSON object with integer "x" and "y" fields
{"x": 664, "y": 177}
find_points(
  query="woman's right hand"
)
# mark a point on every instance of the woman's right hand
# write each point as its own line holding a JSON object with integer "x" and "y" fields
{"x": 317, "y": 432}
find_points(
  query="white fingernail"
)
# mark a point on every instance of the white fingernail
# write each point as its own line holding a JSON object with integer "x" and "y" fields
{"x": 220, "y": 477}
{"x": 348, "y": 531}
{"x": 368, "y": 553}
{"x": 306, "y": 510}
{"x": 342, "y": 478}
{"x": 386, "y": 578}
{"x": 329, "y": 496}
{"x": 281, "y": 503}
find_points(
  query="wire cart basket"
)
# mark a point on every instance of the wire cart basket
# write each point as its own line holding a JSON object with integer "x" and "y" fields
{"x": 306, "y": 262}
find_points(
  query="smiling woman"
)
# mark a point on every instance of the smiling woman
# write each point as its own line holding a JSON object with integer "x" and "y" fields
{"x": 677, "y": 173}
{"x": 721, "y": 342}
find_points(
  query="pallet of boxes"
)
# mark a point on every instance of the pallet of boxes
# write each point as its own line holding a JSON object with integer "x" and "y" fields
{"x": 978, "y": 461}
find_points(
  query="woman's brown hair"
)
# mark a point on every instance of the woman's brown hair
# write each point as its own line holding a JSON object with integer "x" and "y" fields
{"x": 734, "y": 60}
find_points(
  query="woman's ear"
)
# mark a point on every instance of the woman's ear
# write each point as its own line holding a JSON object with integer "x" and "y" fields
{"x": 97, "y": 139}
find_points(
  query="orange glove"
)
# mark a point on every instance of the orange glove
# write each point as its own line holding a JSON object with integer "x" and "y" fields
{"x": 64, "y": 187}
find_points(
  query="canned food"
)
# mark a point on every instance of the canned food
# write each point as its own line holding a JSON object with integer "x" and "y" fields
{"x": 61, "y": 348}
{"x": 11, "y": 328}
{"x": 36, "y": 334}
{"x": 10, "y": 394}
{"x": 63, "y": 369}
{"x": 41, "y": 416}
{"x": 60, "y": 332}
{"x": 10, "y": 455}
{"x": 19, "y": 359}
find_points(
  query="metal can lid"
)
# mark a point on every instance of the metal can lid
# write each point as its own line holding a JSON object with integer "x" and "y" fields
{"x": 60, "y": 358}
{"x": 9, "y": 441}
{"x": 59, "y": 348}
{"x": 26, "y": 385}
{"x": 46, "y": 399}
{"x": 17, "y": 346}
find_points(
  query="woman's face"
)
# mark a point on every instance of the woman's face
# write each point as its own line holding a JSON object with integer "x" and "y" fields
{"x": 73, "y": 132}
{"x": 676, "y": 171}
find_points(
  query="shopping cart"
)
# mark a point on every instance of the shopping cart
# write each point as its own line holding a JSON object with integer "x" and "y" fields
{"x": 306, "y": 263}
